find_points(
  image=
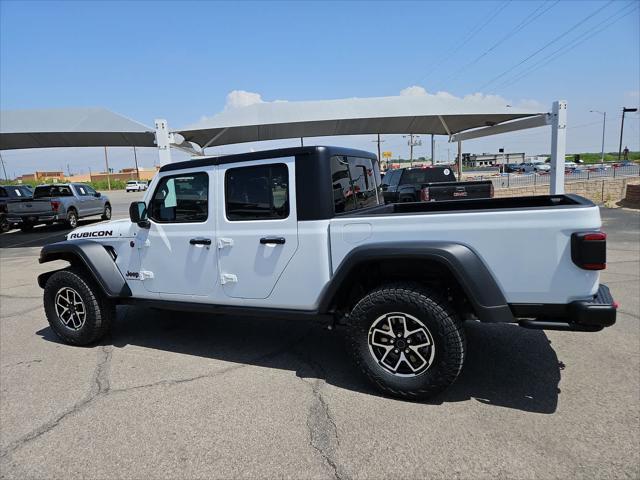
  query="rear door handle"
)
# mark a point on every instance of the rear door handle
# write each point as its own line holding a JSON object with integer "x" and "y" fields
{"x": 272, "y": 240}
{"x": 200, "y": 241}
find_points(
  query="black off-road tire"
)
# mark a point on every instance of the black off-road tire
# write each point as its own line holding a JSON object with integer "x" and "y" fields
{"x": 5, "y": 226}
{"x": 106, "y": 215}
{"x": 100, "y": 312}
{"x": 434, "y": 313}
{"x": 72, "y": 218}
{"x": 26, "y": 227}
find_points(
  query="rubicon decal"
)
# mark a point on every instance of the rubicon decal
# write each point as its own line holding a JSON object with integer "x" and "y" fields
{"x": 99, "y": 233}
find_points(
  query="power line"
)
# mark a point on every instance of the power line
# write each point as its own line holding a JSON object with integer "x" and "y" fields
{"x": 526, "y": 59}
{"x": 568, "y": 47}
{"x": 531, "y": 17}
{"x": 474, "y": 31}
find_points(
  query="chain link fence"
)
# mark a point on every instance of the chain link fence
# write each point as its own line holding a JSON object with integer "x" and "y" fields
{"x": 514, "y": 180}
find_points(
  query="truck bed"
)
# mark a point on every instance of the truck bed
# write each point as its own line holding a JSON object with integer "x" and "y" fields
{"x": 535, "y": 202}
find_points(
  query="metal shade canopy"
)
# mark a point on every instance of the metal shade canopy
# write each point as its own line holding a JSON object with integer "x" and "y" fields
{"x": 71, "y": 127}
{"x": 440, "y": 114}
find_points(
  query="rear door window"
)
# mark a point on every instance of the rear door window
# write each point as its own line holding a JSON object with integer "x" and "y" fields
{"x": 356, "y": 183}
{"x": 258, "y": 192}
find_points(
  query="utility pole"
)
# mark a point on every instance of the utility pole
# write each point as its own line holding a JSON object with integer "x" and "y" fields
{"x": 135, "y": 159}
{"x": 4, "y": 168}
{"x": 378, "y": 141}
{"x": 302, "y": 141}
{"x": 433, "y": 150}
{"x": 106, "y": 161}
{"x": 624, "y": 110}
{"x": 412, "y": 143}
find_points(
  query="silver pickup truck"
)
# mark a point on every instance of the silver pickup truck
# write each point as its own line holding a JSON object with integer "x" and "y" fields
{"x": 59, "y": 203}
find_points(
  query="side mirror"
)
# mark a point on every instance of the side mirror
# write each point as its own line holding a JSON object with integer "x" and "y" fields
{"x": 138, "y": 214}
{"x": 98, "y": 194}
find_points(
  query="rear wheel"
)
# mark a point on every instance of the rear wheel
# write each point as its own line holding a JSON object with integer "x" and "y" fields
{"x": 407, "y": 340}
{"x": 5, "y": 226}
{"x": 106, "y": 215}
{"x": 72, "y": 218}
{"x": 76, "y": 308}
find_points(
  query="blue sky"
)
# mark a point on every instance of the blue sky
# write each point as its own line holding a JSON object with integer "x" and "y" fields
{"x": 180, "y": 60}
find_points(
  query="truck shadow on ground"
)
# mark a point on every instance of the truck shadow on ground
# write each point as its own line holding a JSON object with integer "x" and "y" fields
{"x": 506, "y": 365}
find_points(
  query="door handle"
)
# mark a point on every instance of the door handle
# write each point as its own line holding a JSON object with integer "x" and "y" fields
{"x": 200, "y": 241}
{"x": 272, "y": 240}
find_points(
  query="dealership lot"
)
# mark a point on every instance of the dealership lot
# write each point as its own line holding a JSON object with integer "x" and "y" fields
{"x": 181, "y": 395}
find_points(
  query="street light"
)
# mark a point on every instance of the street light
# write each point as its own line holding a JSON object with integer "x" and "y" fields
{"x": 624, "y": 110}
{"x": 604, "y": 123}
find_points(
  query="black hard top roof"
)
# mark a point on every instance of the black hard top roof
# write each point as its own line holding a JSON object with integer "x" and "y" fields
{"x": 264, "y": 154}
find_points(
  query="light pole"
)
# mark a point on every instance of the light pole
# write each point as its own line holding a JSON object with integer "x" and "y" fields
{"x": 624, "y": 110}
{"x": 604, "y": 123}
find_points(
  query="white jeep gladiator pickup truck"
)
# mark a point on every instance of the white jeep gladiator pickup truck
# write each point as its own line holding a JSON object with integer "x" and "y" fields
{"x": 305, "y": 233}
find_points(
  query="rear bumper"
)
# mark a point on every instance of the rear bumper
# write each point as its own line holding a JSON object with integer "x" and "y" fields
{"x": 42, "y": 218}
{"x": 584, "y": 315}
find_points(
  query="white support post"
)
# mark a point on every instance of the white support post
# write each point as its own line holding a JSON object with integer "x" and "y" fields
{"x": 558, "y": 146}
{"x": 163, "y": 141}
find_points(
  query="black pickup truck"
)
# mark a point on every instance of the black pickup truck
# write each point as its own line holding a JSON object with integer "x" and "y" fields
{"x": 9, "y": 194}
{"x": 428, "y": 184}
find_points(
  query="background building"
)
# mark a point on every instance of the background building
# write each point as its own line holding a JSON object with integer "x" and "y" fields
{"x": 490, "y": 159}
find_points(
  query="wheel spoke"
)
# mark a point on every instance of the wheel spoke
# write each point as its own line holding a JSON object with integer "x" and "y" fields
{"x": 70, "y": 308}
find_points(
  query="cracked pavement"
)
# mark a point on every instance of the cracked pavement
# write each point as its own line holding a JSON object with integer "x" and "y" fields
{"x": 173, "y": 395}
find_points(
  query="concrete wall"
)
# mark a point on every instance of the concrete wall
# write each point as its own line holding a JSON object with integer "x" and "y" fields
{"x": 598, "y": 191}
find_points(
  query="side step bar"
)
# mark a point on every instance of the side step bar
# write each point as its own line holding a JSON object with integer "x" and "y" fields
{"x": 563, "y": 326}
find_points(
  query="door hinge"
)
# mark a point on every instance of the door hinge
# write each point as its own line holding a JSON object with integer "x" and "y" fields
{"x": 225, "y": 242}
{"x": 228, "y": 278}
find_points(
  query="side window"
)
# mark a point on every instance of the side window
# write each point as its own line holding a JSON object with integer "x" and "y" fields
{"x": 356, "y": 183}
{"x": 89, "y": 190}
{"x": 181, "y": 199}
{"x": 81, "y": 190}
{"x": 257, "y": 193}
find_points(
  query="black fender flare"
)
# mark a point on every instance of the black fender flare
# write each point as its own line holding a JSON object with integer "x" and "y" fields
{"x": 465, "y": 265}
{"x": 94, "y": 257}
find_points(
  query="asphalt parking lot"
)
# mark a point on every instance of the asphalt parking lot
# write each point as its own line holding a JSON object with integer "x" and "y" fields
{"x": 172, "y": 395}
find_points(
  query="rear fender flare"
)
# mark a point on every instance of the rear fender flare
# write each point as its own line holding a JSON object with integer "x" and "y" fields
{"x": 91, "y": 255}
{"x": 465, "y": 265}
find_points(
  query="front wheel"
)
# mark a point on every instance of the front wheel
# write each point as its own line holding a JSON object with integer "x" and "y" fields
{"x": 407, "y": 340}
{"x": 26, "y": 227}
{"x": 5, "y": 226}
{"x": 76, "y": 308}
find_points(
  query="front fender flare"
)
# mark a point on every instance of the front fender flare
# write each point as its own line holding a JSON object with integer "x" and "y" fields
{"x": 465, "y": 265}
{"x": 93, "y": 256}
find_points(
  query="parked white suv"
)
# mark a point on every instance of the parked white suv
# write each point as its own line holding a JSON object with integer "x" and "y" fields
{"x": 136, "y": 186}
{"x": 304, "y": 233}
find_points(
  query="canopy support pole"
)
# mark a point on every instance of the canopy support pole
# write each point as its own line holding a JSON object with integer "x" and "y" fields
{"x": 459, "y": 160}
{"x": 558, "y": 146}
{"x": 163, "y": 141}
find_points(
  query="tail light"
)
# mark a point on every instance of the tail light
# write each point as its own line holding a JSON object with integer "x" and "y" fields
{"x": 589, "y": 250}
{"x": 424, "y": 194}
{"x": 55, "y": 205}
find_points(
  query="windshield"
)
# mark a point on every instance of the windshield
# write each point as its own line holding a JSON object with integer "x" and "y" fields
{"x": 428, "y": 175}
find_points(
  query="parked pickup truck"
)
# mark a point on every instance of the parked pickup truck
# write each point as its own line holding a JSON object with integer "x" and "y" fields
{"x": 64, "y": 203}
{"x": 429, "y": 184}
{"x": 265, "y": 233}
{"x": 10, "y": 194}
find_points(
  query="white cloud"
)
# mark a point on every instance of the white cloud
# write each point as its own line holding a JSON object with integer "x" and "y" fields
{"x": 242, "y": 98}
{"x": 413, "y": 91}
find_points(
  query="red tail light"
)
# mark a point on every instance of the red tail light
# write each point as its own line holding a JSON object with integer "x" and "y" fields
{"x": 55, "y": 205}
{"x": 589, "y": 250}
{"x": 424, "y": 195}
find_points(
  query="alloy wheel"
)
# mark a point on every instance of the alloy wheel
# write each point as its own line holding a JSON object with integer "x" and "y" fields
{"x": 70, "y": 308}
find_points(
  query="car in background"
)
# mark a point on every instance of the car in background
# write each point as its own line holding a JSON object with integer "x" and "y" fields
{"x": 511, "y": 167}
{"x": 541, "y": 167}
{"x": 8, "y": 194}
{"x": 136, "y": 186}
{"x": 430, "y": 184}
{"x": 526, "y": 167}
{"x": 58, "y": 203}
